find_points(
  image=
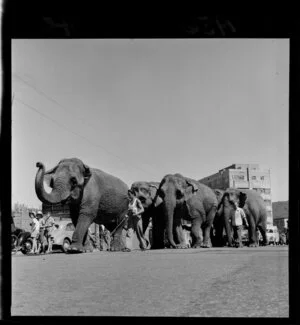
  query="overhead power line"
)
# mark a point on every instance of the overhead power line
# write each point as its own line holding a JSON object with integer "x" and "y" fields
{"x": 86, "y": 139}
{"x": 42, "y": 93}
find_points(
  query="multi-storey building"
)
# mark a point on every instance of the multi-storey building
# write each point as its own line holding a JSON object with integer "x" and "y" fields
{"x": 244, "y": 176}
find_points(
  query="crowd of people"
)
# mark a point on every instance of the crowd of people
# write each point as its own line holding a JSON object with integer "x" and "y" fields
{"x": 42, "y": 227}
{"x": 41, "y": 232}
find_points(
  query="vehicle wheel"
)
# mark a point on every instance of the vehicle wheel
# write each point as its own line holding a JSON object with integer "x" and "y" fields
{"x": 66, "y": 245}
{"x": 27, "y": 246}
{"x": 14, "y": 241}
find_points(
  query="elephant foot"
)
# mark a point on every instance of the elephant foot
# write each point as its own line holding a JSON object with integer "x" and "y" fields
{"x": 182, "y": 246}
{"x": 264, "y": 244}
{"x": 88, "y": 249}
{"x": 253, "y": 245}
{"x": 75, "y": 249}
{"x": 206, "y": 245}
{"x": 197, "y": 245}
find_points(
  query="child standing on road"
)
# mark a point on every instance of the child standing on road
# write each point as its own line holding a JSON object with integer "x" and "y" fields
{"x": 35, "y": 229}
{"x": 49, "y": 223}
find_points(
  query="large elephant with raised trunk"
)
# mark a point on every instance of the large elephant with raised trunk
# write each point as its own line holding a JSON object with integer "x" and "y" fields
{"x": 146, "y": 193}
{"x": 188, "y": 199}
{"x": 92, "y": 196}
{"x": 255, "y": 210}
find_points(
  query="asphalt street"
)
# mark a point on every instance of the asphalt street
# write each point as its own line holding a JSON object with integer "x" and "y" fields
{"x": 215, "y": 282}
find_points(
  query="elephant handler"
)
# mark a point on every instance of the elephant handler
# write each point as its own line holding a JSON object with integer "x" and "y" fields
{"x": 135, "y": 221}
{"x": 49, "y": 225}
{"x": 237, "y": 224}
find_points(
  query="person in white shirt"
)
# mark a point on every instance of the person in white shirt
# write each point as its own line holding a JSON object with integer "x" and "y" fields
{"x": 135, "y": 221}
{"x": 237, "y": 224}
{"x": 35, "y": 230}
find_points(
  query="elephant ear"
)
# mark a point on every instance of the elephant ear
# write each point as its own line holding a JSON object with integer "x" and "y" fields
{"x": 219, "y": 194}
{"x": 191, "y": 188}
{"x": 193, "y": 185}
{"x": 242, "y": 199}
{"x": 86, "y": 171}
{"x": 153, "y": 190}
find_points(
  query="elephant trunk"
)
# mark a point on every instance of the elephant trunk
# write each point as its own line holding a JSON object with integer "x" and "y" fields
{"x": 57, "y": 195}
{"x": 169, "y": 208}
{"x": 226, "y": 214}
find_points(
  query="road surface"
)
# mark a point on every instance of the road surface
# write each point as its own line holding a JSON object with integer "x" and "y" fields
{"x": 216, "y": 282}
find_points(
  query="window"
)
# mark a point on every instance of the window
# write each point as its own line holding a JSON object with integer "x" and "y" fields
{"x": 253, "y": 177}
{"x": 262, "y": 177}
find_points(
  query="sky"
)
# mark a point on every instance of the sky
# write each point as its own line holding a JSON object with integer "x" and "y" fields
{"x": 143, "y": 108}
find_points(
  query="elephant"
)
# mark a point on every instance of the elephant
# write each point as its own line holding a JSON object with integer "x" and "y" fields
{"x": 184, "y": 198}
{"x": 92, "y": 196}
{"x": 254, "y": 208}
{"x": 146, "y": 193}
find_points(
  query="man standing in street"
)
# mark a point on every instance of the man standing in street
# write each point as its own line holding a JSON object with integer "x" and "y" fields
{"x": 237, "y": 224}
{"x": 49, "y": 224}
{"x": 41, "y": 238}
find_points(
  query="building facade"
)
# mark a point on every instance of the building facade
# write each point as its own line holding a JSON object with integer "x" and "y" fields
{"x": 281, "y": 215}
{"x": 58, "y": 211}
{"x": 244, "y": 176}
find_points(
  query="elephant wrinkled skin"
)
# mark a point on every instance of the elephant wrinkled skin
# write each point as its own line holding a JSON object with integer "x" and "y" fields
{"x": 92, "y": 196}
{"x": 255, "y": 210}
{"x": 185, "y": 198}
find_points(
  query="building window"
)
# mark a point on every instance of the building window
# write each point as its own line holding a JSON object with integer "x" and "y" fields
{"x": 262, "y": 178}
{"x": 253, "y": 177}
{"x": 240, "y": 177}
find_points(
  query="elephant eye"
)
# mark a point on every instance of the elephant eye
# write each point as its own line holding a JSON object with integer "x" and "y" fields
{"x": 179, "y": 194}
{"x": 73, "y": 181}
{"x": 142, "y": 199}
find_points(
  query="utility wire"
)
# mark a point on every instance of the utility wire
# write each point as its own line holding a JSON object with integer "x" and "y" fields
{"x": 67, "y": 129}
{"x": 64, "y": 108}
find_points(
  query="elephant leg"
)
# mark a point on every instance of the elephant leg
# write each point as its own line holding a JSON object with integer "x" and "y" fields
{"x": 197, "y": 232}
{"x": 83, "y": 223}
{"x": 263, "y": 231}
{"x": 209, "y": 221}
{"x": 87, "y": 243}
{"x": 158, "y": 230}
{"x": 218, "y": 235}
{"x": 228, "y": 232}
{"x": 252, "y": 231}
{"x": 180, "y": 234}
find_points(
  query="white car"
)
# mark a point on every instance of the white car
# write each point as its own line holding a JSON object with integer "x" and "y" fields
{"x": 62, "y": 234}
{"x": 273, "y": 235}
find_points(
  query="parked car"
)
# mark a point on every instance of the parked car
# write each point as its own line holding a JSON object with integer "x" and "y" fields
{"x": 273, "y": 235}
{"x": 62, "y": 234}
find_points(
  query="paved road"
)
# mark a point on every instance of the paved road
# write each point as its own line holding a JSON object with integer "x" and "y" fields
{"x": 218, "y": 282}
